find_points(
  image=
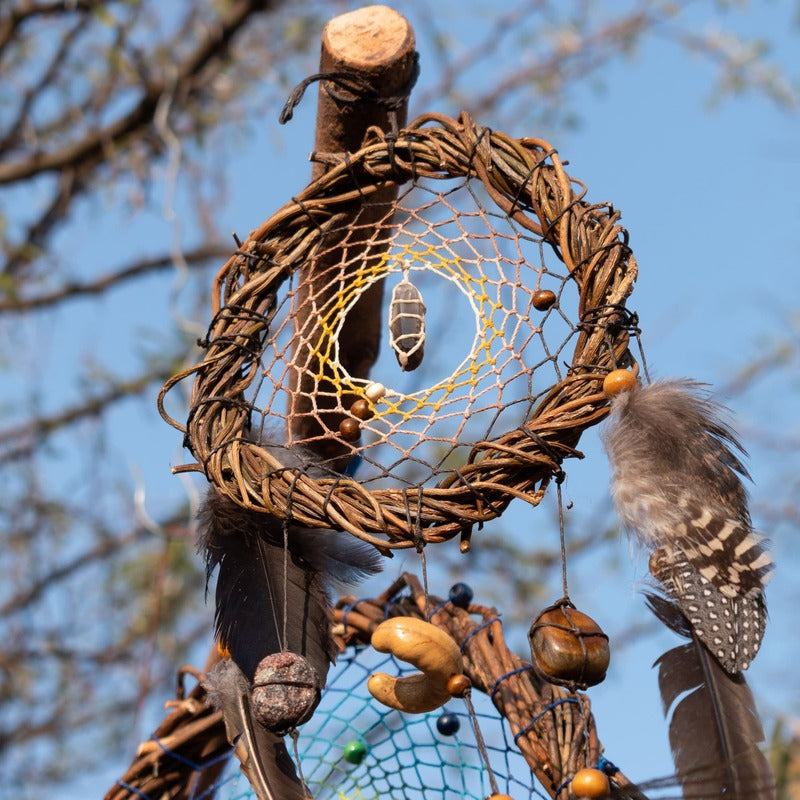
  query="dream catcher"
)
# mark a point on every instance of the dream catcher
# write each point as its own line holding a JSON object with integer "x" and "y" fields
{"x": 418, "y": 338}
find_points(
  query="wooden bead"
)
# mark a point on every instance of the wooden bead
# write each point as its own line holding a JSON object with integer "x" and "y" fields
{"x": 349, "y": 429}
{"x": 618, "y": 380}
{"x": 361, "y": 409}
{"x": 590, "y": 784}
{"x": 459, "y": 685}
{"x": 543, "y": 299}
{"x": 374, "y": 392}
{"x": 569, "y": 648}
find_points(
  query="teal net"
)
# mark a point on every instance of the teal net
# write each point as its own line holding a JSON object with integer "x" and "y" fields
{"x": 397, "y": 756}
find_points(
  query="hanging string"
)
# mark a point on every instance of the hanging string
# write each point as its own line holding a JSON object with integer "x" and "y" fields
{"x": 295, "y": 734}
{"x": 358, "y": 89}
{"x": 285, "y": 583}
{"x": 563, "y": 541}
{"x": 480, "y": 742}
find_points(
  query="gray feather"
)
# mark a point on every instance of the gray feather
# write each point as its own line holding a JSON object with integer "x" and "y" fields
{"x": 677, "y": 486}
{"x": 264, "y": 759}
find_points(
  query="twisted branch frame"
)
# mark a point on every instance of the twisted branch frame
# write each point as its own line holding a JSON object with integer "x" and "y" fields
{"x": 527, "y": 181}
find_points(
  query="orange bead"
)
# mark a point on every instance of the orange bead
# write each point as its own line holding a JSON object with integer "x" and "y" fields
{"x": 361, "y": 409}
{"x": 349, "y": 429}
{"x": 543, "y": 299}
{"x": 459, "y": 685}
{"x": 590, "y": 784}
{"x": 618, "y": 380}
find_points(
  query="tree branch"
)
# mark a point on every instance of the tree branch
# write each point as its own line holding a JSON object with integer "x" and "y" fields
{"x": 20, "y": 441}
{"x": 10, "y": 24}
{"x": 71, "y": 291}
{"x": 88, "y": 150}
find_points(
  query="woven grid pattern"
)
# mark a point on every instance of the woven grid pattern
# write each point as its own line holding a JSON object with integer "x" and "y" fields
{"x": 485, "y": 339}
{"x": 406, "y": 756}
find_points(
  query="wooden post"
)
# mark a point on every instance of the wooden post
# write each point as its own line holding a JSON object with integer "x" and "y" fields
{"x": 376, "y": 44}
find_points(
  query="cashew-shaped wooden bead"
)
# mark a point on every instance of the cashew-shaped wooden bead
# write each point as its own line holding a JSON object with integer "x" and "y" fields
{"x": 413, "y": 694}
{"x": 429, "y": 649}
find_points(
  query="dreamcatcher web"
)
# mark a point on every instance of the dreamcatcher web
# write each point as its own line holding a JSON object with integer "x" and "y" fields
{"x": 489, "y": 248}
{"x": 404, "y": 756}
{"x": 487, "y": 360}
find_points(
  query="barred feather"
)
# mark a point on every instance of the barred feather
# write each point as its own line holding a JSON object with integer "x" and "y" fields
{"x": 677, "y": 486}
{"x": 714, "y": 730}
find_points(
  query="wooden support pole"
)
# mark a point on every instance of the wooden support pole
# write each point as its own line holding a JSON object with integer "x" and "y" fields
{"x": 375, "y": 44}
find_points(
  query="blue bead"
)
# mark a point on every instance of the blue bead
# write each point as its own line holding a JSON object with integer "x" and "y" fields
{"x": 460, "y": 594}
{"x": 448, "y": 724}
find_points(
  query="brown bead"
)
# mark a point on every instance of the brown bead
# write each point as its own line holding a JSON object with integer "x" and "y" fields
{"x": 459, "y": 685}
{"x": 349, "y": 429}
{"x": 543, "y": 299}
{"x": 285, "y": 692}
{"x": 590, "y": 784}
{"x": 569, "y": 648}
{"x": 361, "y": 409}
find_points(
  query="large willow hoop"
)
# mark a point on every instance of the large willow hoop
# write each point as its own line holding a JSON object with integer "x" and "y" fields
{"x": 519, "y": 183}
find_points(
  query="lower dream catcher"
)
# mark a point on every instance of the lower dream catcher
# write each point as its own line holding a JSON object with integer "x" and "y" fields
{"x": 418, "y": 338}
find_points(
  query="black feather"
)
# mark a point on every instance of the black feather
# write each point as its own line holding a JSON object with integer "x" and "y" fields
{"x": 271, "y": 596}
{"x": 714, "y": 729}
{"x": 257, "y": 581}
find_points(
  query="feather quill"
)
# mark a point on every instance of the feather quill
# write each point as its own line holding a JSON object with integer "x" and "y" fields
{"x": 714, "y": 729}
{"x": 265, "y": 761}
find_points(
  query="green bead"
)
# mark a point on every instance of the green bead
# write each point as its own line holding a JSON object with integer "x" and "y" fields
{"x": 355, "y": 752}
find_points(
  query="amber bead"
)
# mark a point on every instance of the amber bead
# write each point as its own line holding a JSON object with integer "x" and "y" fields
{"x": 618, "y": 380}
{"x": 590, "y": 784}
{"x": 568, "y": 647}
{"x": 459, "y": 685}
